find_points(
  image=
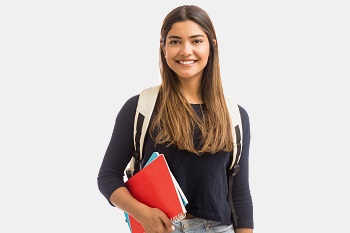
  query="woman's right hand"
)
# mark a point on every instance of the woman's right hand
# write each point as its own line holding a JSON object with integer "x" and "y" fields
{"x": 154, "y": 220}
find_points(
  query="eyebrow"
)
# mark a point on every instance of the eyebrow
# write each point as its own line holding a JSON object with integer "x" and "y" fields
{"x": 178, "y": 37}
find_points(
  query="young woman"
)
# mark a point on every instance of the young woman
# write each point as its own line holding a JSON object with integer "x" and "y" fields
{"x": 190, "y": 125}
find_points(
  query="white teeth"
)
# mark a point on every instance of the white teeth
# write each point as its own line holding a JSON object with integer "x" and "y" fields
{"x": 186, "y": 62}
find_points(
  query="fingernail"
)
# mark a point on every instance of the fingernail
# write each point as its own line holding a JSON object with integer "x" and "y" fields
{"x": 172, "y": 228}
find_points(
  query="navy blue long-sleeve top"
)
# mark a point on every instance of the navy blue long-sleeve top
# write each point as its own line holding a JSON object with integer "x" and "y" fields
{"x": 203, "y": 179}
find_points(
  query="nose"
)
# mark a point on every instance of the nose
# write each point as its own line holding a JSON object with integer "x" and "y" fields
{"x": 186, "y": 49}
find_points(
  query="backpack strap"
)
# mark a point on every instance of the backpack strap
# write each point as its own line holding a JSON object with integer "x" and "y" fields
{"x": 144, "y": 109}
{"x": 237, "y": 135}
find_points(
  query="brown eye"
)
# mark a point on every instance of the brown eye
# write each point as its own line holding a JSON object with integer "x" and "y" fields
{"x": 197, "y": 41}
{"x": 174, "y": 42}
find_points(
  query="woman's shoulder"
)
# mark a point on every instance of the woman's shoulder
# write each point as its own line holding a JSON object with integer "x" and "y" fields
{"x": 131, "y": 103}
{"x": 127, "y": 111}
{"x": 245, "y": 120}
{"x": 243, "y": 112}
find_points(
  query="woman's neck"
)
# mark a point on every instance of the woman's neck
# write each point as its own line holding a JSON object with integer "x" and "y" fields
{"x": 192, "y": 92}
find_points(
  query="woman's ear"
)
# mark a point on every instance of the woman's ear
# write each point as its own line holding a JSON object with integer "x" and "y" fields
{"x": 162, "y": 47}
{"x": 214, "y": 42}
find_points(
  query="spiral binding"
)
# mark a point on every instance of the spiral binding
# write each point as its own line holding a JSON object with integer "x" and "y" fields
{"x": 178, "y": 217}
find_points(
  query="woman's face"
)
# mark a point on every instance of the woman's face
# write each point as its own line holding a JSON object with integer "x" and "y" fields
{"x": 187, "y": 50}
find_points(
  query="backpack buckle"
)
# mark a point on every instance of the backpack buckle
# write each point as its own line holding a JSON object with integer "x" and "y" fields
{"x": 136, "y": 156}
{"x": 129, "y": 173}
{"x": 235, "y": 169}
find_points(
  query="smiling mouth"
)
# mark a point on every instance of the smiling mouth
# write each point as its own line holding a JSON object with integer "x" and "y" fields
{"x": 186, "y": 62}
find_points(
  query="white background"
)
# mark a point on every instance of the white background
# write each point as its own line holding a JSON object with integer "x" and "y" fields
{"x": 66, "y": 68}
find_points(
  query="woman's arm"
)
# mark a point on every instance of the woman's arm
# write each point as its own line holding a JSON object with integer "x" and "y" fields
{"x": 111, "y": 174}
{"x": 242, "y": 199}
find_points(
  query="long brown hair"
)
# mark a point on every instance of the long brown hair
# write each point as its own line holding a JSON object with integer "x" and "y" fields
{"x": 175, "y": 118}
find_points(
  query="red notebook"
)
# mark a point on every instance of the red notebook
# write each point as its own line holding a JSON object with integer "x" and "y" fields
{"x": 155, "y": 186}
